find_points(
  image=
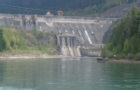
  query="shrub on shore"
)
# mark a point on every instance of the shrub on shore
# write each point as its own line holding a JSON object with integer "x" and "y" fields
{"x": 18, "y": 41}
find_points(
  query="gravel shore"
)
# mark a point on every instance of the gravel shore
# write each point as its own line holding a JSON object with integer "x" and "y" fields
{"x": 123, "y": 61}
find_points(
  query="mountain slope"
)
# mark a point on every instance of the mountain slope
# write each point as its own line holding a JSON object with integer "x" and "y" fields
{"x": 70, "y": 7}
{"x": 98, "y": 10}
{"x": 52, "y": 5}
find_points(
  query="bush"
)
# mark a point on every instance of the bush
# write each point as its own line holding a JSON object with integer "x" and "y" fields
{"x": 16, "y": 41}
{"x": 120, "y": 56}
{"x": 130, "y": 56}
{"x": 137, "y": 56}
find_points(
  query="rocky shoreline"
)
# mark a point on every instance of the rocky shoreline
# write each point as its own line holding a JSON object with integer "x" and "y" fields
{"x": 100, "y": 59}
{"x": 123, "y": 61}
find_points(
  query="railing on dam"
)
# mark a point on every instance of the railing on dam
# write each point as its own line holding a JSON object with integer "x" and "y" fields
{"x": 55, "y": 16}
{"x": 74, "y": 18}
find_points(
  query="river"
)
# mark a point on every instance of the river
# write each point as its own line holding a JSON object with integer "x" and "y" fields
{"x": 68, "y": 74}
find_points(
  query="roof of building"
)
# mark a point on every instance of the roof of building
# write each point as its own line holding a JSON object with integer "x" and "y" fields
{"x": 60, "y": 11}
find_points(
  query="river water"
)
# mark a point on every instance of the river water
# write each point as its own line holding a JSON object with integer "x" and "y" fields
{"x": 68, "y": 74}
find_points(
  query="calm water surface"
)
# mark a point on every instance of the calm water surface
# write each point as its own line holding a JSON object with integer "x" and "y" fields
{"x": 68, "y": 74}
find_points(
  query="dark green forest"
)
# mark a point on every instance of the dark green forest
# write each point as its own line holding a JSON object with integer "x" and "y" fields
{"x": 70, "y": 7}
{"x": 45, "y": 5}
{"x": 95, "y": 10}
{"x": 124, "y": 43}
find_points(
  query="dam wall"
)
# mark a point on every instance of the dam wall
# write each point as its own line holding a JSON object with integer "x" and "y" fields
{"x": 83, "y": 31}
{"x": 88, "y": 30}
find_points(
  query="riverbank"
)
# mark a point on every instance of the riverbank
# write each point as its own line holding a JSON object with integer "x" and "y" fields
{"x": 29, "y": 56}
{"x": 122, "y": 61}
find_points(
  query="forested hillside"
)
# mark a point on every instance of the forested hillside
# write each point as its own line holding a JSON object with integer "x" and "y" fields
{"x": 124, "y": 43}
{"x": 52, "y": 4}
{"x": 95, "y": 10}
{"x": 71, "y": 7}
{"x": 47, "y": 5}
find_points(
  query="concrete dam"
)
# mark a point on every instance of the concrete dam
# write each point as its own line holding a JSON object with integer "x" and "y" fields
{"x": 83, "y": 31}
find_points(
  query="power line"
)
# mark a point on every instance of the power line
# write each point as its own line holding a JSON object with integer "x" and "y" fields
{"x": 5, "y": 5}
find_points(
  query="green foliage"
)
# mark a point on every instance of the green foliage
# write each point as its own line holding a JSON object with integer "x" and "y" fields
{"x": 125, "y": 40}
{"x": 11, "y": 40}
{"x": 106, "y": 52}
{"x": 2, "y": 41}
{"x": 16, "y": 41}
{"x": 137, "y": 56}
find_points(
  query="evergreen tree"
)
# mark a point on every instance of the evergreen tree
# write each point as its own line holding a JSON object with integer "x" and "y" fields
{"x": 125, "y": 40}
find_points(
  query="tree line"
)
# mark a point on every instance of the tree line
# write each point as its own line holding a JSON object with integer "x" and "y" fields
{"x": 48, "y": 5}
{"x": 124, "y": 43}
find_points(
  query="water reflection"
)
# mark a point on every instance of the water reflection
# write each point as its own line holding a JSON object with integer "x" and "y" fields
{"x": 67, "y": 74}
{"x": 2, "y": 65}
{"x": 123, "y": 75}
